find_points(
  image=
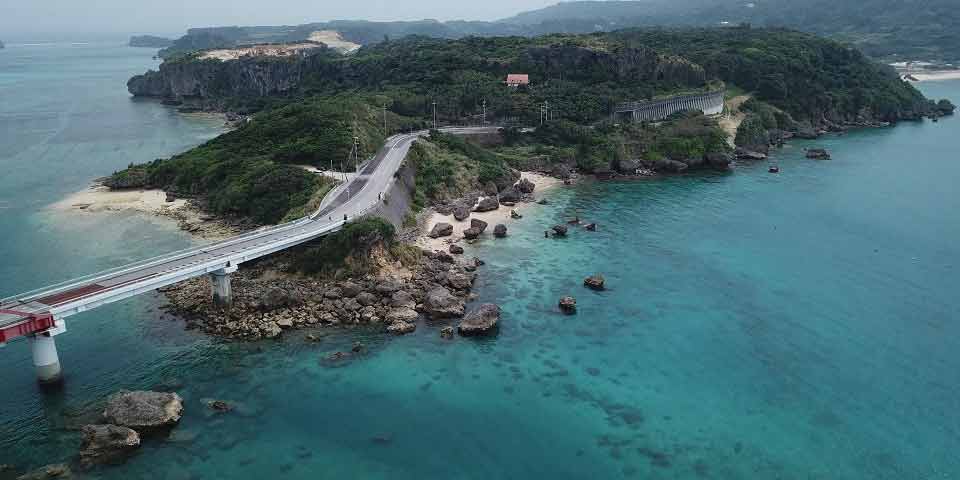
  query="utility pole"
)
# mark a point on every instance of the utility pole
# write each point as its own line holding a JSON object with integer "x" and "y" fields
{"x": 434, "y": 114}
{"x": 484, "y": 124}
{"x": 384, "y": 119}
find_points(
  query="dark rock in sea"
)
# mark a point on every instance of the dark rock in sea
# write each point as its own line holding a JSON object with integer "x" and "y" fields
{"x": 219, "y": 406}
{"x": 441, "y": 229}
{"x": 595, "y": 282}
{"x": 592, "y": 227}
{"x": 806, "y": 134}
{"x": 818, "y": 154}
{"x": 143, "y": 410}
{"x": 488, "y": 204}
{"x": 559, "y": 230}
{"x": 774, "y": 169}
{"x": 106, "y": 444}
{"x": 456, "y": 249}
{"x": 481, "y": 321}
{"x": 357, "y": 347}
{"x": 568, "y": 304}
{"x": 526, "y": 186}
{"x": 515, "y": 215}
{"x": 440, "y": 303}
{"x": 446, "y": 332}
{"x": 500, "y": 231}
{"x": 461, "y": 213}
{"x": 58, "y": 470}
{"x": 543, "y": 201}
{"x": 478, "y": 262}
{"x": 480, "y": 225}
{"x": 471, "y": 233}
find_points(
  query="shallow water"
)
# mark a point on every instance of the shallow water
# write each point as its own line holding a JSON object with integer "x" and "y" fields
{"x": 800, "y": 325}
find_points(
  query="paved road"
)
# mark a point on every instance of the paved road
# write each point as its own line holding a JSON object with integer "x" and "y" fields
{"x": 32, "y": 311}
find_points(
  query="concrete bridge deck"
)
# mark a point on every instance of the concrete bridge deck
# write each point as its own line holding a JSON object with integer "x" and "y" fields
{"x": 710, "y": 103}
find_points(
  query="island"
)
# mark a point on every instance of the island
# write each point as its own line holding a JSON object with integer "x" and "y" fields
{"x": 149, "y": 41}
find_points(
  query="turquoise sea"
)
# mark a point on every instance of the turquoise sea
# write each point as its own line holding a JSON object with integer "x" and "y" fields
{"x": 793, "y": 326}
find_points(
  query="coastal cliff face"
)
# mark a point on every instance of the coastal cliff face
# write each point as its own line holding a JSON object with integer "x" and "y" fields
{"x": 206, "y": 81}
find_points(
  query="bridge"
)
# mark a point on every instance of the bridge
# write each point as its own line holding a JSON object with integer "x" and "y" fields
{"x": 710, "y": 103}
{"x": 40, "y": 315}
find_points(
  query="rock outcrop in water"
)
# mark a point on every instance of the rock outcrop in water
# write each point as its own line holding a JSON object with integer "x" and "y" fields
{"x": 104, "y": 444}
{"x": 143, "y": 410}
{"x": 481, "y": 321}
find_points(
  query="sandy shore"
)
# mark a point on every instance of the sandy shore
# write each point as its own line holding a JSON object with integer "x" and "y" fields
{"x": 100, "y": 199}
{"x": 502, "y": 215}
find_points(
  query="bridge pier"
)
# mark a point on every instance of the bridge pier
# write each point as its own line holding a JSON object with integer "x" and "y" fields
{"x": 46, "y": 361}
{"x": 220, "y": 283}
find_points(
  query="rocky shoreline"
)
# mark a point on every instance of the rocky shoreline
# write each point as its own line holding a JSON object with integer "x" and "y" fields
{"x": 268, "y": 302}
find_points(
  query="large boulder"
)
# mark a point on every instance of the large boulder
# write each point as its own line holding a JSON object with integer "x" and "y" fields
{"x": 350, "y": 289}
{"x": 401, "y": 328}
{"x": 510, "y": 195}
{"x": 107, "y": 444}
{"x": 806, "y": 133}
{"x": 560, "y": 230}
{"x": 526, "y": 186}
{"x": 276, "y": 297}
{"x": 500, "y": 231}
{"x": 456, "y": 249}
{"x": 488, "y": 204}
{"x": 440, "y": 303}
{"x": 143, "y": 410}
{"x": 403, "y": 299}
{"x": 818, "y": 154}
{"x": 471, "y": 233}
{"x": 367, "y": 299}
{"x": 461, "y": 213}
{"x": 481, "y": 321}
{"x": 441, "y": 229}
{"x": 460, "y": 281}
{"x": 747, "y": 154}
{"x": 478, "y": 224}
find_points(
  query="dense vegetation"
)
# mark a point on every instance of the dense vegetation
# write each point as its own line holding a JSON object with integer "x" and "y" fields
{"x": 448, "y": 166}
{"x": 347, "y": 251}
{"x": 249, "y": 172}
{"x": 892, "y": 29}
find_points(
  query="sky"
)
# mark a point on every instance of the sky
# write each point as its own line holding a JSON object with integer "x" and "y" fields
{"x": 30, "y": 18}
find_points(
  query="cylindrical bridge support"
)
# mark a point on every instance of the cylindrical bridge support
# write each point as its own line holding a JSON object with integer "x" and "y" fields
{"x": 45, "y": 358}
{"x": 220, "y": 283}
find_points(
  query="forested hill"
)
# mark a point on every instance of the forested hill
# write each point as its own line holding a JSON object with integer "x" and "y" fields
{"x": 915, "y": 29}
{"x": 582, "y": 76}
{"x": 887, "y": 29}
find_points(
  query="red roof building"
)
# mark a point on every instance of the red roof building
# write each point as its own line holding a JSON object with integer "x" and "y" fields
{"x": 517, "y": 79}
